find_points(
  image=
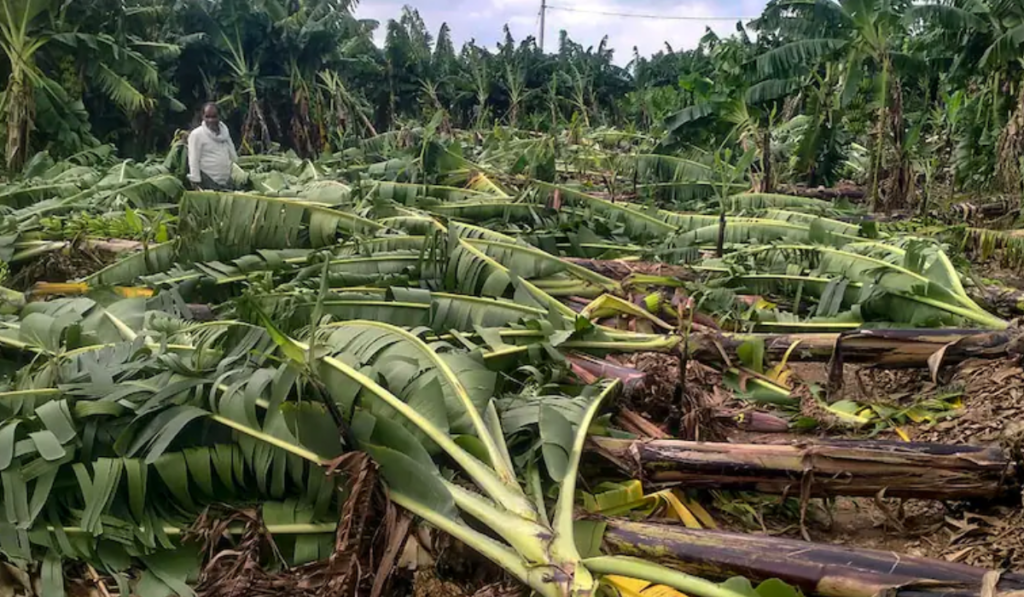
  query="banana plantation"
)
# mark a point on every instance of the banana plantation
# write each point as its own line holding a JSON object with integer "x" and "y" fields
{"x": 734, "y": 321}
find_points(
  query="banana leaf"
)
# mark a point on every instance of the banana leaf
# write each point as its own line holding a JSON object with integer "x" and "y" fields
{"x": 759, "y": 231}
{"x": 496, "y": 210}
{"x": 406, "y": 307}
{"x": 416, "y": 195}
{"x": 423, "y": 375}
{"x": 531, "y": 263}
{"x": 147, "y": 192}
{"x": 762, "y": 201}
{"x": 804, "y": 218}
{"x": 235, "y": 270}
{"x": 244, "y": 223}
{"x": 926, "y": 276}
{"x": 638, "y": 224}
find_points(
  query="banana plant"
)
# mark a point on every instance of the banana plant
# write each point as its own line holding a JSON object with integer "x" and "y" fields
{"x": 726, "y": 176}
{"x": 538, "y": 550}
{"x": 106, "y": 418}
{"x": 916, "y": 284}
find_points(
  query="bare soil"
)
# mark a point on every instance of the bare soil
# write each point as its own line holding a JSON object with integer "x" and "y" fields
{"x": 70, "y": 263}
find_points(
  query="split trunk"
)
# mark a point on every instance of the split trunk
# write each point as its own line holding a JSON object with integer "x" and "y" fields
{"x": 1002, "y": 300}
{"x": 892, "y": 349}
{"x": 897, "y": 348}
{"x": 842, "y": 191}
{"x": 817, "y": 569}
{"x": 852, "y": 468}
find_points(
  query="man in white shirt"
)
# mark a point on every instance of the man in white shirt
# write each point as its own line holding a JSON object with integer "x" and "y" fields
{"x": 211, "y": 152}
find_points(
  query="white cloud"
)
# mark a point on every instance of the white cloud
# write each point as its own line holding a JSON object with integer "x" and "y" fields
{"x": 648, "y": 35}
{"x": 518, "y": 5}
{"x": 379, "y": 11}
{"x": 483, "y": 20}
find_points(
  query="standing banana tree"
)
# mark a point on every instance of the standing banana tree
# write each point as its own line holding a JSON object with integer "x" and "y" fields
{"x": 478, "y": 87}
{"x": 22, "y": 38}
{"x": 864, "y": 35}
{"x": 988, "y": 36}
{"x": 235, "y": 35}
{"x": 514, "y": 81}
{"x": 342, "y": 105}
{"x": 307, "y": 34}
{"x": 27, "y": 28}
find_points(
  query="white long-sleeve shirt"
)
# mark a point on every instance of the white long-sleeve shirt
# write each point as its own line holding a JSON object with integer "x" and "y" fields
{"x": 211, "y": 154}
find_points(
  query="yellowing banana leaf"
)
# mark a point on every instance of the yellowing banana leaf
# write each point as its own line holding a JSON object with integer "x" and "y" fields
{"x": 482, "y": 183}
{"x": 696, "y": 509}
{"x": 676, "y": 510}
{"x": 632, "y": 587}
{"x": 847, "y": 411}
{"x": 779, "y": 373}
{"x": 44, "y": 289}
{"x": 607, "y": 304}
{"x": 618, "y": 499}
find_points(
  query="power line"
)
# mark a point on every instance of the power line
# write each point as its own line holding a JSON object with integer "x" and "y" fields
{"x": 642, "y": 16}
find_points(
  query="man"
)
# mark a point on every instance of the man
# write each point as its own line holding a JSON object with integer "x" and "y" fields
{"x": 211, "y": 152}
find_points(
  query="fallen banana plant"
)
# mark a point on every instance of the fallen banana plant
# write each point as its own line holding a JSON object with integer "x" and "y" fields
{"x": 618, "y": 499}
{"x": 430, "y": 302}
{"x": 816, "y": 469}
{"x": 540, "y": 552}
{"x": 887, "y": 349}
{"x": 816, "y": 569}
{"x": 910, "y": 285}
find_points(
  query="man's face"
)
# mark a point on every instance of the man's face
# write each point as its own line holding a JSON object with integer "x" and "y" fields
{"x": 211, "y": 118}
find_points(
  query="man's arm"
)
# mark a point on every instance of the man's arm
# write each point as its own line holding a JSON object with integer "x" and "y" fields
{"x": 194, "y": 174}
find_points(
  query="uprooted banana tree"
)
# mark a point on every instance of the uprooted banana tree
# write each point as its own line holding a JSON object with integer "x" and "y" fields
{"x": 124, "y": 403}
{"x": 408, "y": 298}
{"x": 539, "y": 550}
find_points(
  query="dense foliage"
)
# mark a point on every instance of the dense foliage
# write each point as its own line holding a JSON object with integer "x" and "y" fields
{"x": 423, "y": 297}
{"x": 410, "y": 268}
{"x": 914, "y": 100}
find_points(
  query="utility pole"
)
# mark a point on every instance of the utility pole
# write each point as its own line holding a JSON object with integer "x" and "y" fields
{"x": 543, "y": 10}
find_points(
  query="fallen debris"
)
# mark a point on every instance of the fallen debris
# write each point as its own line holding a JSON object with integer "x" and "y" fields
{"x": 817, "y": 569}
{"x": 892, "y": 349}
{"x": 817, "y": 469}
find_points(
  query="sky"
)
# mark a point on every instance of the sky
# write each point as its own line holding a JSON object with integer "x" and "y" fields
{"x": 482, "y": 20}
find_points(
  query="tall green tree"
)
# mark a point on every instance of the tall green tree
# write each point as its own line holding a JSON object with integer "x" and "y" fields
{"x": 35, "y": 35}
{"x": 865, "y": 36}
